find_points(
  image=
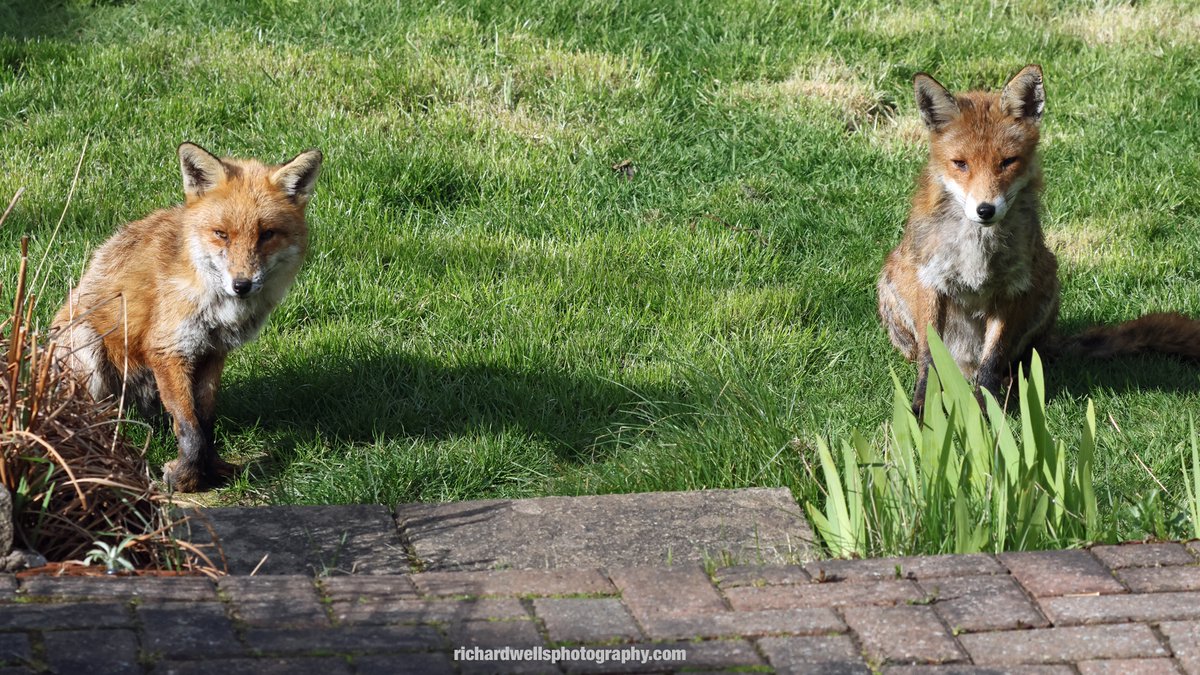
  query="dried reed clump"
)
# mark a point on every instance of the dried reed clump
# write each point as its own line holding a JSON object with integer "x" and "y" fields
{"x": 74, "y": 476}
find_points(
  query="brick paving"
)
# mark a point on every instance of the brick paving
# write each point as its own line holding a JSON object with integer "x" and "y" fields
{"x": 1111, "y": 609}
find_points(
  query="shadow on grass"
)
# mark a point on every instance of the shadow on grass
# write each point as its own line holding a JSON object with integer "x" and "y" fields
{"x": 394, "y": 396}
{"x": 27, "y": 19}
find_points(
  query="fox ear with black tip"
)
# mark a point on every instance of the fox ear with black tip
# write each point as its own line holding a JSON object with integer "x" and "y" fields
{"x": 937, "y": 105}
{"x": 297, "y": 176}
{"x": 202, "y": 170}
{"x": 1024, "y": 97}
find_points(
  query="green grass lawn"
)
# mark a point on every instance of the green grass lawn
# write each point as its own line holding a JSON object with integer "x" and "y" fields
{"x": 490, "y": 310}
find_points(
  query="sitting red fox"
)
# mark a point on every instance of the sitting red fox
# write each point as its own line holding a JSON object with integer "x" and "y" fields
{"x": 973, "y": 262}
{"x": 169, "y": 296}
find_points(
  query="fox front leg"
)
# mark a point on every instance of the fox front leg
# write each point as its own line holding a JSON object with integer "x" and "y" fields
{"x": 207, "y": 382}
{"x": 185, "y": 473}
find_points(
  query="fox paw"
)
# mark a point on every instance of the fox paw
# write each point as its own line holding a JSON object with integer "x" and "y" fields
{"x": 181, "y": 477}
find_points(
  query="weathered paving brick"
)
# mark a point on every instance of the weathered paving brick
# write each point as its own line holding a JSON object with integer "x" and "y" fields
{"x": 703, "y": 655}
{"x": 186, "y": 631}
{"x": 494, "y": 634}
{"x": 1047, "y": 573}
{"x": 348, "y": 639}
{"x": 328, "y": 665}
{"x": 427, "y": 611}
{"x": 114, "y": 589}
{"x": 76, "y": 615}
{"x": 1161, "y": 579}
{"x": 1062, "y": 645}
{"x": 289, "y": 601}
{"x": 388, "y": 587}
{"x": 585, "y": 620}
{"x": 829, "y": 653}
{"x": 267, "y": 587}
{"x": 92, "y": 651}
{"x": 431, "y": 663}
{"x": 972, "y": 604}
{"x": 289, "y": 611}
{"x": 14, "y": 647}
{"x": 902, "y": 634}
{"x": 679, "y": 591}
{"x": 191, "y": 589}
{"x": 807, "y": 621}
{"x": 1143, "y": 555}
{"x": 960, "y": 669}
{"x": 916, "y": 567}
{"x": 1129, "y": 667}
{"x": 512, "y": 667}
{"x": 1184, "y": 639}
{"x": 1090, "y": 609}
{"x": 760, "y": 575}
{"x": 829, "y": 594}
{"x": 514, "y": 583}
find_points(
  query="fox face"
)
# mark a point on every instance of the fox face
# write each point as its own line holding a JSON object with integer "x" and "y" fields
{"x": 983, "y": 145}
{"x": 244, "y": 220}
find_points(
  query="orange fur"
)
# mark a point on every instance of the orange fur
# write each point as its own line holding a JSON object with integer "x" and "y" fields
{"x": 167, "y": 297}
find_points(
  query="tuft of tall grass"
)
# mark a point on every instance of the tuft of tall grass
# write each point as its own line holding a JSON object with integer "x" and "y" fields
{"x": 960, "y": 481}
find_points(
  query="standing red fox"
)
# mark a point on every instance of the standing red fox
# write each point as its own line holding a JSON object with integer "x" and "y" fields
{"x": 973, "y": 262}
{"x": 169, "y": 296}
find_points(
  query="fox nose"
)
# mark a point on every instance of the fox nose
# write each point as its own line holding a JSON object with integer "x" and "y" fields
{"x": 241, "y": 286}
{"x": 986, "y": 210}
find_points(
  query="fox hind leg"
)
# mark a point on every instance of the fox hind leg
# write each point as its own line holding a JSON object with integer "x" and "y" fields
{"x": 897, "y": 318}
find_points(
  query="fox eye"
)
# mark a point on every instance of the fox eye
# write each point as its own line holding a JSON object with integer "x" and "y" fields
{"x": 266, "y": 235}
{"x": 960, "y": 164}
{"x": 1007, "y": 162}
{"x": 220, "y": 234}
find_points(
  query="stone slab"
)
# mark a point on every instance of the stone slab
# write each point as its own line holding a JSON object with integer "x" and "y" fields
{"x": 1184, "y": 639}
{"x": 817, "y": 654}
{"x": 1048, "y": 573}
{"x": 313, "y": 540}
{"x": 829, "y": 594}
{"x": 154, "y": 589}
{"x": 923, "y": 567}
{"x": 973, "y": 604}
{"x": 93, "y": 651}
{"x": 514, "y": 583}
{"x": 1146, "y": 607}
{"x": 902, "y": 634}
{"x": 670, "y": 591}
{"x": 325, "y": 665}
{"x": 1063, "y": 645}
{"x": 1144, "y": 555}
{"x": 586, "y": 620}
{"x": 1129, "y": 667}
{"x": 808, "y": 621}
{"x": 761, "y": 525}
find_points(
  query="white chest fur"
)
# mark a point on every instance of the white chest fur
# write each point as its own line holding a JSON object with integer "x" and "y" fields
{"x": 972, "y": 263}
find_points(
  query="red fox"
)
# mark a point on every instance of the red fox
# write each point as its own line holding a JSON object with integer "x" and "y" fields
{"x": 169, "y": 296}
{"x": 973, "y": 262}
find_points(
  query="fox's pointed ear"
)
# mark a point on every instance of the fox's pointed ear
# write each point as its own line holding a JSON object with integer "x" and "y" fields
{"x": 202, "y": 170}
{"x": 297, "y": 176}
{"x": 1024, "y": 96}
{"x": 937, "y": 105}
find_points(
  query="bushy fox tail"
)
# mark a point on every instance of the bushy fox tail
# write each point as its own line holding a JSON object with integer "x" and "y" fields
{"x": 1165, "y": 333}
